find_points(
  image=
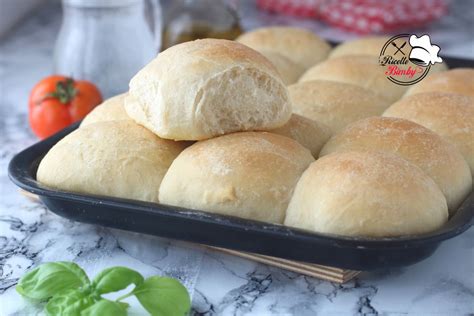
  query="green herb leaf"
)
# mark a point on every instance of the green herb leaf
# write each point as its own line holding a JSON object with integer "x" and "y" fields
{"x": 162, "y": 296}
{"x": 70, "y": 303}
{"x": 124, "y": 305}
{"x": 50, "y": 279}
{"x": 105, "y": 308}
{"x": 115, "y": 279}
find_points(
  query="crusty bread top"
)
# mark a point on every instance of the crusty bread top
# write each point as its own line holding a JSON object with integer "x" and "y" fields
{"x": 459, "y": 80}
{"x": 246, "y": 174}
{"x": 447, "y": 114}
{"x": 215, "y": 51}
{"x": 111, "y": 109}
{"x": 362, "y": 70}
{"x": 300, "y": 45}
{"x": 290, "y": 71}
{"x": 309, "y": 133}
{"x": 114, "y": 158}
{"x": 370, "y": 45}
{"x": 244, "y": 149}
{"x": 335, "y": 104}
{"x": 413, "y": 142}
{"x": 366, "y": 193}
{"x": 444, "y": 113}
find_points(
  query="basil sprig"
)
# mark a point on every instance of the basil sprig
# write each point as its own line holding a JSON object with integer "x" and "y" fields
{"x": 68, "y": 291}
{"x": 51, "y": 278}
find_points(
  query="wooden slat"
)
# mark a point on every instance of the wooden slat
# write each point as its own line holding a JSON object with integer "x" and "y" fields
{"x": 314, "y": 270}
{"x": 30, "y": 196}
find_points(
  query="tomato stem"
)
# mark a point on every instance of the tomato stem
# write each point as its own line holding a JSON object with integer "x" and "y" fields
{"x": 64, "y": 92}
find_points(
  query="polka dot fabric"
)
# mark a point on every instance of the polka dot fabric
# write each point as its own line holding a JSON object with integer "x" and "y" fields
{"x": 302, "y": 8}
{"x": 363, "y": 16}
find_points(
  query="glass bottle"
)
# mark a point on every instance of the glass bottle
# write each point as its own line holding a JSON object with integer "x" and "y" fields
{"x": 187, "y": 20}
{"x": 106, "y": 41}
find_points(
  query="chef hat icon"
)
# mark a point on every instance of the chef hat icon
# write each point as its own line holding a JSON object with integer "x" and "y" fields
{"x": 422, "y": 52}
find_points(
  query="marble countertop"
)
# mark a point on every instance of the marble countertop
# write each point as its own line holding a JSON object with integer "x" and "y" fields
{"x": 219, "y": 284}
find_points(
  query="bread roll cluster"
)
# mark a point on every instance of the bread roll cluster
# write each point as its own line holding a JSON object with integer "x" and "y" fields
{"x": 234, "y": 128}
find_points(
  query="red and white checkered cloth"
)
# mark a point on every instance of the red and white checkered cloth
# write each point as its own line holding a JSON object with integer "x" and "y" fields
{"x": 363, "y": 16}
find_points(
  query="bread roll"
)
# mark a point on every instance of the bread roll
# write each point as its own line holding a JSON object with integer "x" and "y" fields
{"x": 459, "y": 80}
{"x": 309, "y": 133}
{"x": 435, "y": 156}
{"x": 289, "y": 71}
{"x": 201, "y": 89}
{"x": 250, "y": 175}
{"x": 335, "y": 104}
{"x": 370, "y": 45}
{"x": 369, "y": 194}
{"x": 449, "y": 115}
{"x": 363, "y": 71}
{"x": 116, "y": 158}
{"x": 301, "y": 46}
{"x": 110, "y": 110}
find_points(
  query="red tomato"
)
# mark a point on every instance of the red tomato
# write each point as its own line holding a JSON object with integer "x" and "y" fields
{"x": 58, "y": 101}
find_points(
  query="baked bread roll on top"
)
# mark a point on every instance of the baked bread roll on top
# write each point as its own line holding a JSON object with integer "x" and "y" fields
{"x": 116, "y": 158}
{"x": 430, "y": 152}
{"x": 249, "y": 174}
{"x": 301, "y": 46}
{"x": 309, "y": 133}
{"x": 110, "y": 110}
{"x": 362, "y": 71}
{"x": 335, "y": 104}
{"x": 369, "y": 194}
{"x": 204, "y": 88}
{"x": 447, "y": 114}
{"x": 459, "y": 80}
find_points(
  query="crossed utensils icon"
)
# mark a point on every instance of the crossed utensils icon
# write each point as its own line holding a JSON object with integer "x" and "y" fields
{"x": 399, "y": 49}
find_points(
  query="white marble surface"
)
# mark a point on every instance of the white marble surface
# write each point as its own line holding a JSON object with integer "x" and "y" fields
{"x": 219, "y": 284}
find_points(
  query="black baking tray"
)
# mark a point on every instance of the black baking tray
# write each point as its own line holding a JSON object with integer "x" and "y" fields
{"x": 232, "y": 232}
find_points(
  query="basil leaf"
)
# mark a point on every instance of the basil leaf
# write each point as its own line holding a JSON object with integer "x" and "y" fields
{"x": 51, "y": 278}
{"x": 105, "y": 308}
{"x": 124, "y": 305}
{"x": 69, "y": 303}
{"x": 162, "y": 296}
{"x": 115, "y": 279}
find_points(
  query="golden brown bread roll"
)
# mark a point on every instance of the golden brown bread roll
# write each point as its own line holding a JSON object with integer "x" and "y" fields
{"x": 459, "y": 80}
{"x": 204, "y": 88}
{"x": 363, "y": 71}
{"x": 115, "y": 158}
{"x": 110, "y": 110}
{"x": 248, "y": 174}
{"x": 370, "y": 194}
{"x": 335, "y": 104}
{"x": 435, "y": 156}
{"x": 309, "y": 133}
{"x": 447, "y": 114}
{"x": 301, "y": 46}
